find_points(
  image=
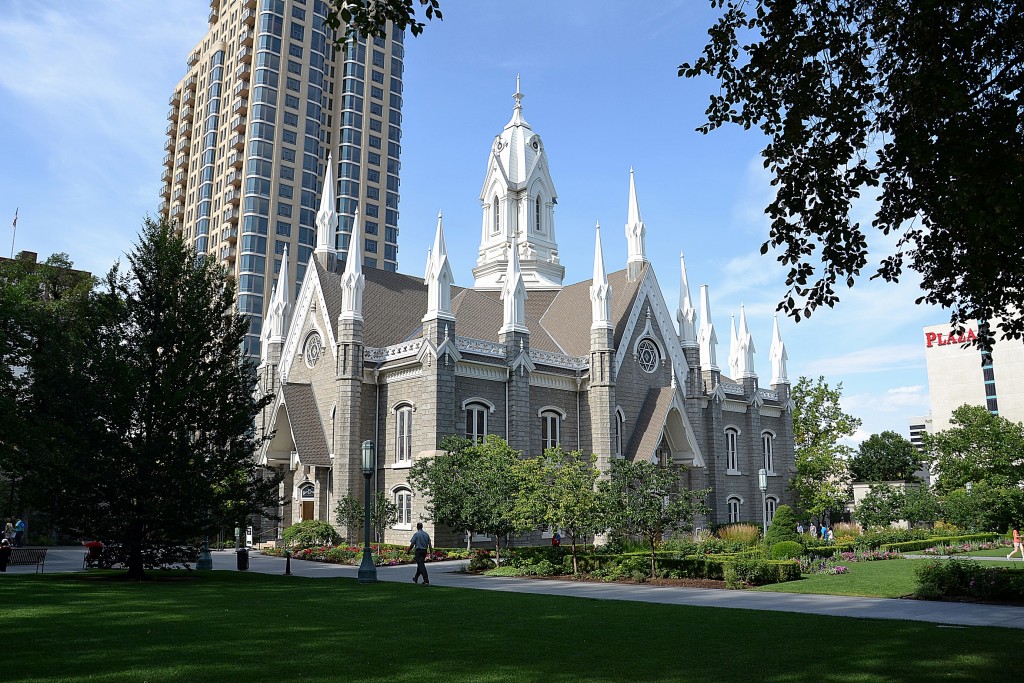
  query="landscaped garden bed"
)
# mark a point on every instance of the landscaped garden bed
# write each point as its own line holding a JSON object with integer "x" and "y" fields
{"x": 384, "y": 555}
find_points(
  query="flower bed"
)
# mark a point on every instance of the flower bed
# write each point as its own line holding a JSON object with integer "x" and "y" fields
{"x": 960, "y": 548}
{"x": 383, "y": 555}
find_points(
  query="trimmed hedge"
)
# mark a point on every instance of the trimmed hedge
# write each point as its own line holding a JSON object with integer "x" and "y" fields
{"x": 716, "y": 568}
{"x": 825, "y": 551}
{"x": 958, "y": 578}
{"x": 787, "y": 550}
{"x": 911, "y": 546}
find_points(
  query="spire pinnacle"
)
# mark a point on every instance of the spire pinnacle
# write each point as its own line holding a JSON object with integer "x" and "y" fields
{"x": 635, "y": 233}
{"x": 600, "y": 291}
{"x": 326, "y": 217}
{"x": 734, "y": 349}
{"x": 745, "y": 358}
{"x": 353, "y": 280}
{"x": 778, "y": 356}
{"x": 439, "y": 277}
{"x": 276, "y": 322}
{"x": 513, "y": 294}
{"x": 685, "y": 314}
{"x": 706, "y": 337}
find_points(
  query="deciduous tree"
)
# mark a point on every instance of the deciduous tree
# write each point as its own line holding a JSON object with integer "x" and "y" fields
{"x": 920, "y": 99}
{"x": 822, "y": 481}
{"x": 979, "y": 447}
{"x": 885, "y": 457}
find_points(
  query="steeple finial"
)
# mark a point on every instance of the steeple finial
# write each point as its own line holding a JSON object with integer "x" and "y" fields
{"x": 706, "y": 337}
{"x": 734, "y": 348}
{"x": 513, "y": 294}
{"x": 745, "y": 359}
{"x": 326, "y": 218}
{"x": 353, "y": 280}
{"x": 276, "y": 323}
{"x": 518, "y": 96}
{"x": 636, "y": 233}
{"x": 685, "y": 314}
{"x": 439, "y": 277}
{"x": 778, "y": 356}
{"x": 600, "y": 291}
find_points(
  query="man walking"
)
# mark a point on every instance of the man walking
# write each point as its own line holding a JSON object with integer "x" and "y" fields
{"x": 19, "y": 533}
{"x": 421, "y": 542}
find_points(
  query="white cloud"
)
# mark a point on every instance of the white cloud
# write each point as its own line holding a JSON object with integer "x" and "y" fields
{"x": 870, "y": 359}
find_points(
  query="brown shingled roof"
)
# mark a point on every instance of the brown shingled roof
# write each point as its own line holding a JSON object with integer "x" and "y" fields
{"x": 649, "y": 423}
{"x": 304, "y": 419}
{"x": 568, "y": 317}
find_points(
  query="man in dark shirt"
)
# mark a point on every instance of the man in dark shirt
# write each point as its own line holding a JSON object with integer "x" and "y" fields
{"x": 421, "y": 543}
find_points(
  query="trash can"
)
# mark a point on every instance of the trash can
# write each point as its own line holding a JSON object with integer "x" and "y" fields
{"x": 242, "y": 557}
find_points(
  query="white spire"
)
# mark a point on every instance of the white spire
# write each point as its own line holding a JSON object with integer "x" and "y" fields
{"x": 745, "y": 358}
{"x": 686, "y": 316}
{"x": 635, "y": 233}
{"x": 439, "y": 277}
{"x": 513, "y": 294}
{"x": 352, "y": 280}
{"x": 600, "y": 291}
{"x": 326, "y": 217}
{"x": 706, "y": 337}
{"x": 275, "y": 325}
{"x": 734, "y": 349}
{"x": 778, "y": 356}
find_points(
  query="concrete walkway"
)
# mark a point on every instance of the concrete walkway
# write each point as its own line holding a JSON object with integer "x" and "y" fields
{"x": 445, "y": 574}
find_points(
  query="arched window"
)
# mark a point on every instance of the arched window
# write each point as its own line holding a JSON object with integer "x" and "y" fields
{"x": 732, "y": 459}
{"x": 770, "y": 504}
{"x": 403, "y": 501}
{"x": 549, "y": 423}
{"x": 767, "y": 448}
{"x": 497, "y": 215}
{"x": 307, "y": 492}
{"x": 403, "y": 434}
{"x": 620, "y": 428}
{"x": 647, "y": 355}
{"x": 536, "y": 214}
{"x": 734, "y": 509}
{"x": 476, "y": 421}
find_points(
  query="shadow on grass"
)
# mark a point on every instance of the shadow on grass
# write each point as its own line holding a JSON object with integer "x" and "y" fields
{"x": 236, "y": 626}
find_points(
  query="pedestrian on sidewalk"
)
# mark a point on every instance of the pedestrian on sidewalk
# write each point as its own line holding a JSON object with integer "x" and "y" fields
{"x": 1016, "y": 544}
{"x": 421, "y": 543}
{"x": 19, "y": 533}
{"x": 5, "y": 554}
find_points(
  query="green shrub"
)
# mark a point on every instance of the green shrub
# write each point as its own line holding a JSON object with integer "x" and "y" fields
{"x": 956, "y": 578}
{"x": 312, "y": 532}
{"x": 783, "y": 527}
{"x": 911, "y": 546}
{"x": 787, "y": 550}
{"x": 482, "y": 562}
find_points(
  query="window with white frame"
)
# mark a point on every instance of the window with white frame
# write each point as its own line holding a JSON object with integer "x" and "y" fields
{"x": 770, "y": 503}
{"x": 767, "y": 443}
{"x": 403, "y": 435}
{"x": 732, "y": 440}
{"x": 403, "y": 502}
{"x": 497, "y": 215}
{"x": 536, "y": 214}
{"x": 549, "y": 421}
{"x": 476, "y": 421}
{"x": 734, "y": 509}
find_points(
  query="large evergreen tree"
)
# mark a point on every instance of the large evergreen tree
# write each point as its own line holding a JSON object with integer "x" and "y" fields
{"x": 159, "y": 446}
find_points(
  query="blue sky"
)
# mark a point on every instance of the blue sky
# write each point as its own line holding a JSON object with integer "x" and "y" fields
{"x": 83, "y": 104}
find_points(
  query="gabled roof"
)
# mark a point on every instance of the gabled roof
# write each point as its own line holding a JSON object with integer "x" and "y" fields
{"x": 304, "y": 420}
{"x": 568, "y": 318}
{"x": 650, "y": 423}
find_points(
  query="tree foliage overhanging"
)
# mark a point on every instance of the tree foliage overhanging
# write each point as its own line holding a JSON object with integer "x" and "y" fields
{"x": 920, "y": 99}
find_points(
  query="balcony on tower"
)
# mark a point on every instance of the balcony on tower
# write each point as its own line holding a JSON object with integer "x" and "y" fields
{"x": 232, "y": 196}
{"x": 177, "y": 211}
{"x": 240, "y": 106}
{"x": 165, "y": 192}
{"x": 230, "y": 233}
{"x": 172, "y": 115}
{"x": 245, "y": 36}
{"x": 237, "y": 141}
{"x": 169, "y": 160}
{"x": 181, "y": 161}
{"x": 238, "y": 123}
{"x": 187, "y": 96}
{"x": 191, "y": 82}
{"x": 248, "y": 17}
{"x": 230, "y": 213}
{"x": 234, "y": 178}
{"x": 175, "y": 97}
{"x": 241, "y": 87}
{"x": 193, "y": 58}
{"x": 228, "y": 253}
{"x": 169, "y": 142}
{"x": 166, "y": 175}
{"x": 244, "y": 55}
{"x": 235, "y": 159}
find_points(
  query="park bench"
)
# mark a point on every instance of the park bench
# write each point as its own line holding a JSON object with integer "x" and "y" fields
{"x": 28, "y": 556}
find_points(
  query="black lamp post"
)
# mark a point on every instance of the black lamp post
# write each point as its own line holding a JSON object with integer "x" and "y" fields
{"x": 762, "y": 483}
{"x": 367, "y": 569}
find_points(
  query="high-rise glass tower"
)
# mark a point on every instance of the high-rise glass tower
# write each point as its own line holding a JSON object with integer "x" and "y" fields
{"x": 265, "y": 103}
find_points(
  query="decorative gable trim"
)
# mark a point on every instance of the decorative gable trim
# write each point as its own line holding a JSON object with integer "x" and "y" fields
{"x": 311, "y": 298}
{"x": 650, "y": 292}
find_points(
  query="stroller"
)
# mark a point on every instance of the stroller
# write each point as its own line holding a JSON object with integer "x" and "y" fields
{"x": 95, "y": 557}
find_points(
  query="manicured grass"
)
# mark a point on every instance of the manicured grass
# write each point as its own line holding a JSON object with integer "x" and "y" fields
{"x": 881, "y": 579}
{"x": 228, "y": 626}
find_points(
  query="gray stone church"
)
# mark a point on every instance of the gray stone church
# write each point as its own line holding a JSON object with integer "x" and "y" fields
{"x": 598, "y": 365}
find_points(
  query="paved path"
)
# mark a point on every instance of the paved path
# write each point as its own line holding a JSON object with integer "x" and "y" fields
{"x": 445, "y": 574}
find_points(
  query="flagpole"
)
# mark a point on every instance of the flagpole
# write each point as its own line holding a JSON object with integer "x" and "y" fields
{"x": 14, "y": 235}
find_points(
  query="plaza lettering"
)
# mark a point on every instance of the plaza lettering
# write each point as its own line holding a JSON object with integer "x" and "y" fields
{"x": 939, "y": 339}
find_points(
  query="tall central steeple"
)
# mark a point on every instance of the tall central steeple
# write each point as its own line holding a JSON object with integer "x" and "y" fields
{"x": 517, "y": 201}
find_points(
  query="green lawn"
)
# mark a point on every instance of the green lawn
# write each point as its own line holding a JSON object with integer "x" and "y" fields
{"x": 881, "y": 579}
{"x": 228, "y": 626}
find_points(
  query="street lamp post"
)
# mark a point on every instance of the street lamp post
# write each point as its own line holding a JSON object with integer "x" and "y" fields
{"x": 762, "y": 483}
{"x": 367, "y": 569}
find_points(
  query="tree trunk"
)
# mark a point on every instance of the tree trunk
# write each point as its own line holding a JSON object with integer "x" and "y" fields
{"x": 575, "y": 567}
{"x": 653, "y": 566}
{"x": 497, "y": 550}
